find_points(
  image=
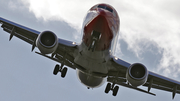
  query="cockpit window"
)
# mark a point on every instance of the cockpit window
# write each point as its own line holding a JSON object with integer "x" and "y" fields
{"x": 105, "y": 7}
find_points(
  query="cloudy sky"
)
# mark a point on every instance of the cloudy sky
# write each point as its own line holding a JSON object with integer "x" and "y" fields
{"x": 149, "y": 33}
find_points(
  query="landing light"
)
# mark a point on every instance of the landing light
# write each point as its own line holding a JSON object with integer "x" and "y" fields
{"x": 74, "y": 43}
{"x": 115, "y": 58}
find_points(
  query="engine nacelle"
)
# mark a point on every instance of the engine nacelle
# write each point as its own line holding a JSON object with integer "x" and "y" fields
{"x": 47, "y": 42}
{"x": 137, "y": 74}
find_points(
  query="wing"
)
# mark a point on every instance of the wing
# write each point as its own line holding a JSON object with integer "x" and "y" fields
{"x": 24, "y": 33}
{"x": 117, "y": 75}
{"x": 64, "y": 52}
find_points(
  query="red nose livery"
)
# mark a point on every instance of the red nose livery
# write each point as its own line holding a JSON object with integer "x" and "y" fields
{"x": 104, "y": 20}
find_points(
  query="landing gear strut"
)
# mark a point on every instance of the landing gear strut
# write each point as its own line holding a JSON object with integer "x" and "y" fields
{"x": 60, "y": 69}
{"x": 113, "y": 88}
{"x": 95, "y": 36}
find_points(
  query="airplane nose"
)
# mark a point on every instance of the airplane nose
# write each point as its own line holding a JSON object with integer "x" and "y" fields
{"x": 102, "y": 12}
{"x": 100, "y": 21}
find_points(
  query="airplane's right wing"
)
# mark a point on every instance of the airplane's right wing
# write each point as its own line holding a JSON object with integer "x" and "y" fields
{"x": 63, "y": 53}
{"x": 117, "y": 75}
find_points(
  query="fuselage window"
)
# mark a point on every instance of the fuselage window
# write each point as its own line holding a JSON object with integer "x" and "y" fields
{"x": 105, "y": 7}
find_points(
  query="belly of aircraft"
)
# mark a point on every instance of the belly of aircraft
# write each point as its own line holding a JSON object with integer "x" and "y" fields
{"x": 92, "y": 61}
{"x": 95, "y": 65}
{"x": 90, "y": 80}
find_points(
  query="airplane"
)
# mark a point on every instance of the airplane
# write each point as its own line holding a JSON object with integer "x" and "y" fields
{"x": 93, "y": 59}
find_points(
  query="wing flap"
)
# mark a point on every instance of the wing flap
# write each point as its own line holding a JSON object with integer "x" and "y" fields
{"x": 162, "y": 83}
{"x": 163, "y": 79}
{"x": 10, "y": 24}
{"x": 26, "y": 34}
{"x": 122, "y": 82}
{"x": 160, "y": 87}
{"x": 59, "y": 59}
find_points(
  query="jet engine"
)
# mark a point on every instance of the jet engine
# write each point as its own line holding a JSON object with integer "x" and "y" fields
{"x": 47, "y": 42}
{"x": 137, "y": 74}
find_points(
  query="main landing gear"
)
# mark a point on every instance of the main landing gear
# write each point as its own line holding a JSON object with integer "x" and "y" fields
{"x": 113, "y": 88}
{"x": 60, "y": 69}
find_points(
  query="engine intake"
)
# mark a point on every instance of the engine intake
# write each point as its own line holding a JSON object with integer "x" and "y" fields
{"x": 137, "y": 74}
{"x": 47, "y": 42}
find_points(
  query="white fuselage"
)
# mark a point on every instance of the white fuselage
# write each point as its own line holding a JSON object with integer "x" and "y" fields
{"x": 100, "y": 33}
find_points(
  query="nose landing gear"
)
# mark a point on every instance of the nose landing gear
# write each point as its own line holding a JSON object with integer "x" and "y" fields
{"x": 60, "y": 69}
{"x": 95, "y": 36}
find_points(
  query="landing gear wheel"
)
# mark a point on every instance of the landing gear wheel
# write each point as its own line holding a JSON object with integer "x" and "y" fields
{"x": 115, "y": 90}
{"x": 108, "y": 88}
{"x": 56, "y": 69}
{"x": 63, "y": 72}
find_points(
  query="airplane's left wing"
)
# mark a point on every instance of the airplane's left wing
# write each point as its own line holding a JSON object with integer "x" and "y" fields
{"x": 118, "y": 75}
